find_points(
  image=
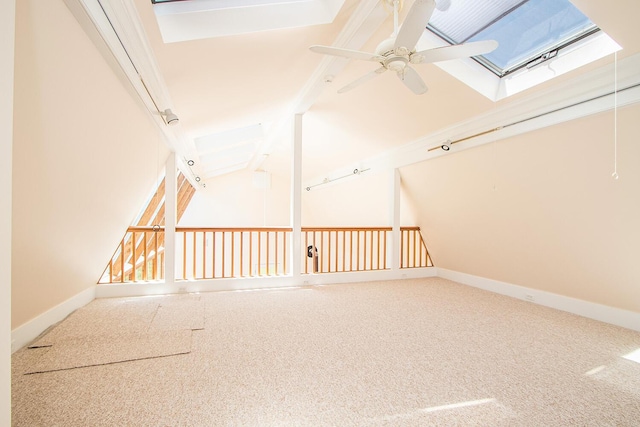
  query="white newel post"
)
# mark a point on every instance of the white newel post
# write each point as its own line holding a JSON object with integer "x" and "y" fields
{"x": 170, "y": 220}
{"x": 296, "y": 202}
{"x": 395, "y": 219}
{"x": 7, "y": 39}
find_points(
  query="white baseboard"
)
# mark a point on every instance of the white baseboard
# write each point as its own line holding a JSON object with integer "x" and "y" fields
{"x": 615, "y": 316}
{"x": 141, "y": 289}
{"x": 29, "y": 331}
{"x": 24, "y": 334}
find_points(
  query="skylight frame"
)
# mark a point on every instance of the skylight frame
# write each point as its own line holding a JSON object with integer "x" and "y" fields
{"x": 535, "y": 59}
{"x": 542, "y": 54}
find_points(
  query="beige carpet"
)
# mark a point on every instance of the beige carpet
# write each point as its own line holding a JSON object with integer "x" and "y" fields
{"x": 401, "y": 353}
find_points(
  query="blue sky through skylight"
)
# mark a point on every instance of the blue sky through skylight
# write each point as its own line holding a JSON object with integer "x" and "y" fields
{"x": 529, "y": 30}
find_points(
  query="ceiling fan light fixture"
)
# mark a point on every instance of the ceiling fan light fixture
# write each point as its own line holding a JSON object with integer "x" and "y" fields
{"x": 397, "y": 65}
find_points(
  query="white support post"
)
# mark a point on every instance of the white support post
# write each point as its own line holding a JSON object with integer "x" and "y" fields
{"x": 296, "y": 202}
{"x": 395, "y": 219}
{"x": 7, "y": 39}
{"x": 170, "y": 220}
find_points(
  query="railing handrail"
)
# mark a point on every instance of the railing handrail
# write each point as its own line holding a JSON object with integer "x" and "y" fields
{"x": 139, "y": 228}
{"x": 346, "y": 229}
{"x": 237, "y": 229}
{"x": 231, "y": 229}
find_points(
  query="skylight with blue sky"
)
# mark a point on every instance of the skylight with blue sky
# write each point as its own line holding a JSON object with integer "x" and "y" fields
{"x": 538, "y": 39}
{"x": 526, "y": 30}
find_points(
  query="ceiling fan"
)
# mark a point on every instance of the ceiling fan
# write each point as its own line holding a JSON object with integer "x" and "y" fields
{"x": 398, "y": 51}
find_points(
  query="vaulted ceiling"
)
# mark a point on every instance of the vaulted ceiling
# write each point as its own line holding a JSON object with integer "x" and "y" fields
{"x": 227, "y": 84}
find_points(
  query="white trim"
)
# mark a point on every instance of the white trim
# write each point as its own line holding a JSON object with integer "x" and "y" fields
{"x": 155, "y": 288}
{"x": 143, "y": 80}
{"x": 584, "y": 96}
{"x": 189, "y": 20}
{"x": 362, "y": 25}
{"x": 295, "y": 205}
{"x": 170, "y": 216}
{"x": 24, "y": 334}
{"x": 483, "y": 81}
{"x": 394, "y": 250}
{"x": 603, "y": 313}
{"x": 7, "y": 50}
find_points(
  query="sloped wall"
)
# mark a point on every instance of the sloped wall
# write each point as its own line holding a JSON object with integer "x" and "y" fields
{"x": 84, "y": 160}
{"x": 540, "y": 210}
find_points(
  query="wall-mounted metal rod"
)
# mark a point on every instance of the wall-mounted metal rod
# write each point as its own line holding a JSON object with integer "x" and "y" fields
{"x": 595, "y": 98}
{"x": 327, "y": 180}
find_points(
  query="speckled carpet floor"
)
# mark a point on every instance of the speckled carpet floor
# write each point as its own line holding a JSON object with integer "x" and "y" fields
{"x": 425, "y": 352}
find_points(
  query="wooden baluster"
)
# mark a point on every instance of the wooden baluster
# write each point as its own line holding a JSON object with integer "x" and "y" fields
{"x": 144, "y": 242}
{"x": 352, "y": 251}
{"x": 358, "y": 249}
{"x": 213, "y": 255}
{"x": 337, "y": 251}
{"x": 306, "y": 257}
{"x": 233, "y": 254}
{"x": 223, "y": 253}
{"x": 267, "y": 262}
{"x": 384, "y": 247}
{"x": 259, "y": 252}
{"x": 184, "y": 254}
{"x": 285, "y": 236}
{"x": 415, "y": 248}
{"x": 122, "y": 259}
{"x": 133, "y": 256}
{"x": 328, "y": 248}
{"x": 111, "y": 270}
{"x": 378, "y": 253}
{"x": 251, "y": 254}
{"x": 402, "y": 249}
{"x": 155, "y": 255}
{"x": 276, "y": 249}
{"x": 344, "y": 249}
{"x": 370, "y": 257}
{"x": 241, "y": 253}
{"x": 193, "y": 255}
{"x": 204, "y": 255}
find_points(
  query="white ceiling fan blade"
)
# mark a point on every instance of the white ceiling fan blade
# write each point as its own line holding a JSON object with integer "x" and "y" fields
{"x": 413, "y": 81}
{"x": 362, "y": 80}
{"x": 447, "y": 53}
{"x": 414, "y": 24}
{"x": 346, "y": 53}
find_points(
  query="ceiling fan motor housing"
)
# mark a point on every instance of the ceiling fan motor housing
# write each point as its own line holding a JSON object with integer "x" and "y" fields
{"x": 395, "y": 59}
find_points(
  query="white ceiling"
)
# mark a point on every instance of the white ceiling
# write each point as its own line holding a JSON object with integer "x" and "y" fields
{"x": 221, "y": 84}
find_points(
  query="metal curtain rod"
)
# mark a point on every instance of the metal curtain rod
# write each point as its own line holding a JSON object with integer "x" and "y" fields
{"x": 327, "y": 180}
{"x": 451, "y": 142}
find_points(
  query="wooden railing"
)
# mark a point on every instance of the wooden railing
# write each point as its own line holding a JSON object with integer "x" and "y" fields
{"x": 346, "y": 249}
{"x": 342, "y": 249}
{"x": 211, "y": 253}
{"x": 413, "y": 251}
{"x": 139, "y": 256}
{"x": 215, "y": 253}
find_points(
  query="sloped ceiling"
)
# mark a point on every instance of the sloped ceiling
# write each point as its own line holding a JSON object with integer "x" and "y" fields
{"x": 225, "y": 83}
{"x": 533, "y": 230}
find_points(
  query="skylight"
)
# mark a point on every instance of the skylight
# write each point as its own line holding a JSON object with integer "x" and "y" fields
{"x": 191, "y": 20}
{"x": 528, "y": 31}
